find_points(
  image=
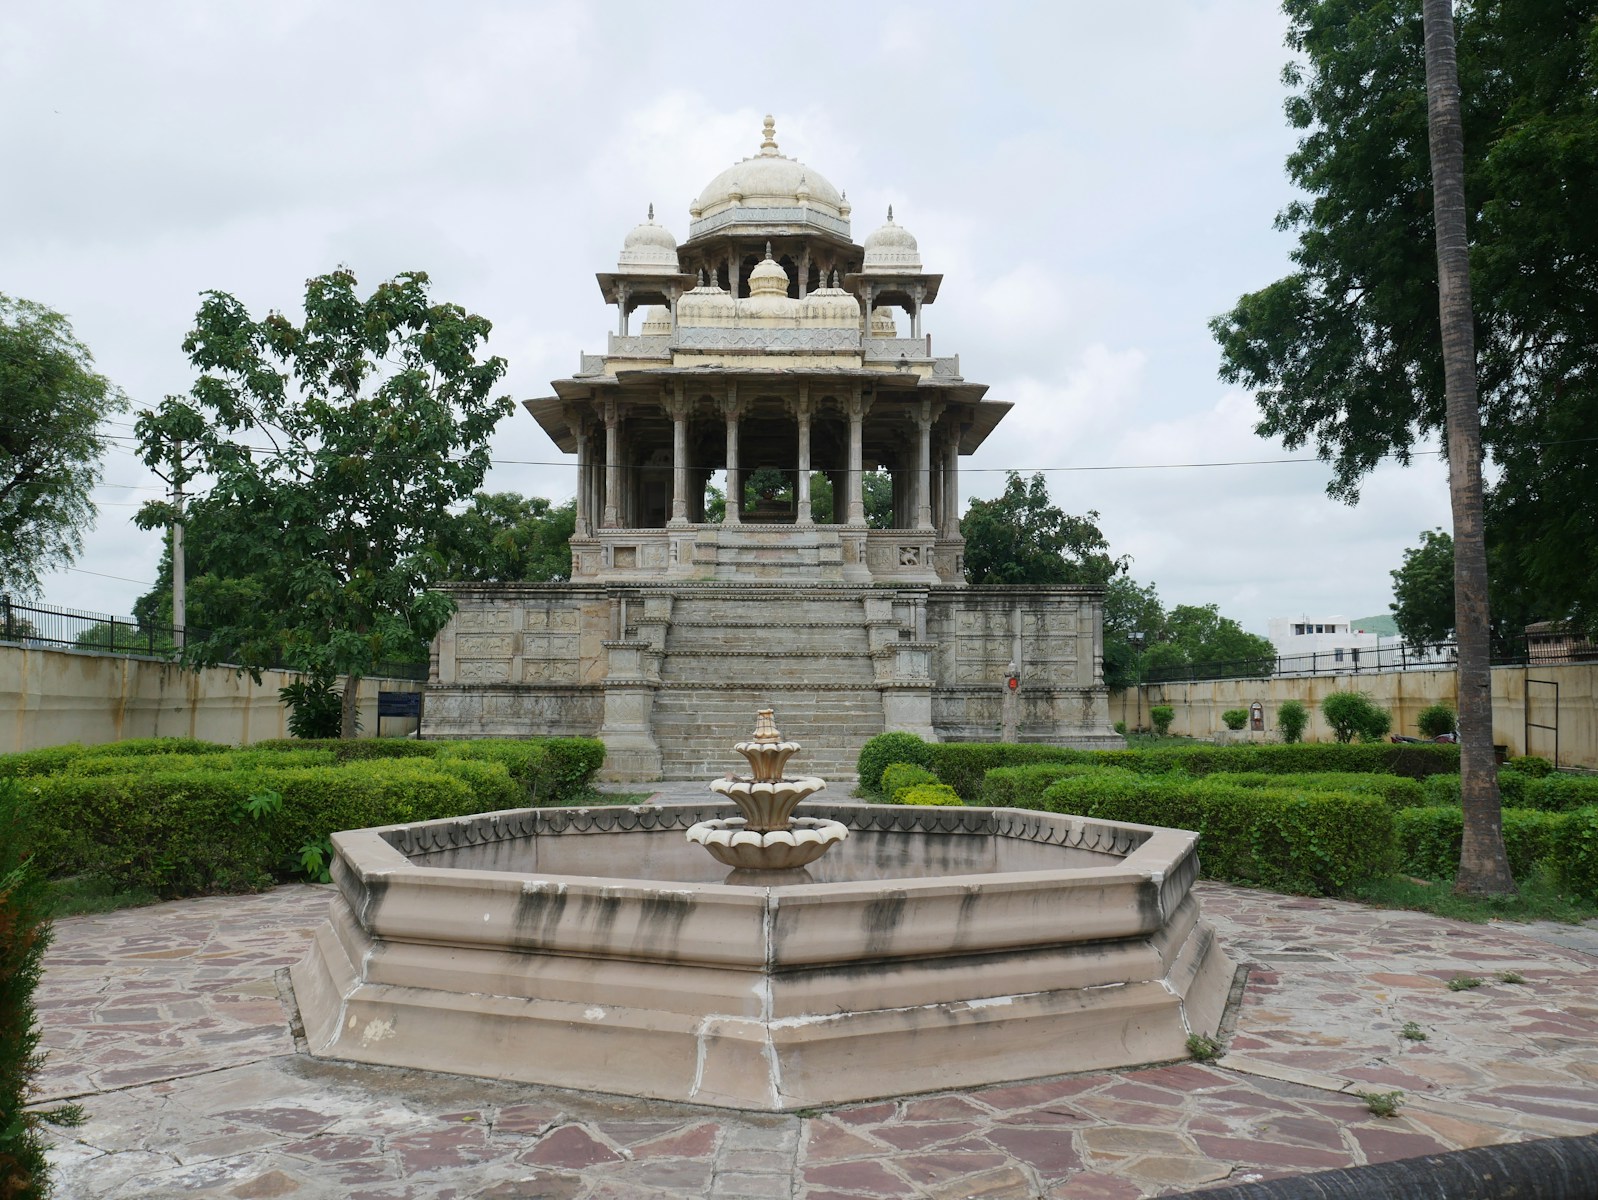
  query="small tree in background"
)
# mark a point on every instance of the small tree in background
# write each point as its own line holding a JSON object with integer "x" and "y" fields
{"x": 1292, "y": 718}
{"x": 1436, "y": 720}
{"x": 1353, "y": 714}
{"x": 1235, "y": 718}
{"x": 1162, "y": 715}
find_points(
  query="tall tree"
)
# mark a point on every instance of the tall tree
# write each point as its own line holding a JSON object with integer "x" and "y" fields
{"x": 1483, "y": 863}
{"x": 51, "y": 404}
{"x": 504, "y": 537}
{"x": 1423, "y": 590}
{"x": 335, "y": 448}
{"x": 1022, "y": 537}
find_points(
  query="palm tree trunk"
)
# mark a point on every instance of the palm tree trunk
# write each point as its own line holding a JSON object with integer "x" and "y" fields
{"x": 1483, "y": 866}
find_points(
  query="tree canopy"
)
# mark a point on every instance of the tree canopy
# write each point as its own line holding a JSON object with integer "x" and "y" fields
{"x": 1423, "y": 590}
{"x": 334, "y": 450}
{"x": 502, "y": 537}
{"x": 1345, "y": 353}
{"x": 51, "y": 404}
{"x": 1143, "y": 641}
{"x": 1021, "y": 537}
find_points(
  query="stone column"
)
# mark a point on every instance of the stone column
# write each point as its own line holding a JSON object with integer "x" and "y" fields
{"x": 730, "y": 408}
{"x": 951, "y": 483}
{"x": 857, "y": 405}
{"x": 612, "y": 463}
{"x": 801, "y": 489}
{"x": 621, "y": 310}
{"x": 804, "y": 271}
{"x": 580, "y": 520}
{"x": 677, "y": 408}
{"x": 923, "y": 467}
{"x": 916, "y": 293}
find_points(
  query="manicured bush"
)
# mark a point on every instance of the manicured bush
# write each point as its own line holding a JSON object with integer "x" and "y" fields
{"x": 1562, "y": 793}
{"x": 24, "y": 936}
{"x": 927, "y": 793}
{"x": 1429, "y": 842}
{"x": 1577, "y": 865}
{"x": 1354, "y": 714}
{"x": 1312, "y": 843}
{"x": 1002, "y": 785}
{"x": 963, "y": 765}
{"x": 1436, "y": 719}
{"x": 899, "y": 776}
{"x": 884, "y": 749}
{"x": 1395, "y": 789}
{"x": 1235, "y": 718}
{"x": 1161, "y": 715}
{"x": 1120, "y": 728}
{"x": 1531, "y": 764}
{"x": 1292, "y": 718}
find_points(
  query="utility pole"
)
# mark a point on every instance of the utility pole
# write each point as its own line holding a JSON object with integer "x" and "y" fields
{"x": 179, "y": 580}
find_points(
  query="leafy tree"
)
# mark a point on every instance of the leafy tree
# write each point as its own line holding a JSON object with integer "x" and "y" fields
{"x": 1292, "y": 718}
{"x": 1349, "y": 350}
{"x": 51, "y": 405}
{"x": 1134, "y": 619}
{"x": 1354, "y": 714}
{"x": 1436, "y": 719}
{"x": 1198, "y": 639}
{"x": 876, "y": 493}
{"x": 502, "y": 537}
{"x": 335, "y": 449}
{"x": 1423, "y": 590}
{"x": 1022, "y": 538}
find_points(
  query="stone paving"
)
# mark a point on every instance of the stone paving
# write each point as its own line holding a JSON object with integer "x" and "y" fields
{"x": 171, "y": 1026}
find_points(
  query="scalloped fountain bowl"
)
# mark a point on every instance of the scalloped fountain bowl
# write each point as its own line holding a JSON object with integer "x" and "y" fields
{"x": 599, "y": 949}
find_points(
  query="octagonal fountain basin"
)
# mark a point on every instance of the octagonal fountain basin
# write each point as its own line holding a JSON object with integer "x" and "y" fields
{"x": 598, "y": 949}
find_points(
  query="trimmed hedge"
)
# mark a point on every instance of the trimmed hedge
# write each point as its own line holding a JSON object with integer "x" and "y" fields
{"x": 881, "y": 752}
{"x": 899, "y": 776}
{"x": 1551, "y": 793}
{"x": 927, "y": 793}
{"x": 1531, "y": 764}
{"x": 1002, "y": 785}
{"x": 1398, "y": 791}
{"x": 1310, "y": 843}
{"x": 964, "y": 765}
{"x": 1429, "y": 841}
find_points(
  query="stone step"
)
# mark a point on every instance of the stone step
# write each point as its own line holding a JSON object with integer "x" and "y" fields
{"x": 795, "y": 667}
{"x": 697, "y": 728}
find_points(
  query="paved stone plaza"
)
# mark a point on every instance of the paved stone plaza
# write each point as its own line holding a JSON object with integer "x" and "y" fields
{"x": 170, "y": 1024}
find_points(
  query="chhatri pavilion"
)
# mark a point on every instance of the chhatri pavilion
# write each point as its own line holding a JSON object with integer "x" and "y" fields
{"x": 769, "y": 342}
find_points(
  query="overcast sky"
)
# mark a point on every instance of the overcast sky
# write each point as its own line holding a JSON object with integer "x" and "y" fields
{"x": 1095, "y": 181}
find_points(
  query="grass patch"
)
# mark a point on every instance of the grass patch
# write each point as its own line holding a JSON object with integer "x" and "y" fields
{"x": 1463, "y": 983}
{"x": 1382, "y": 1104}
{"x": 1540, "y": 899}
{"x": 1412, "y": 1032}
{"x": 82, "y": 895}
{"x": 1203, "y": 1049}
{"x": 1152, "y": 741}
{"x": 1510, "y": 977}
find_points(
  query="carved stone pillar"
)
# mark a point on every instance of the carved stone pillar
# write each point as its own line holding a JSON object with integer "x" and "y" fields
{"x": 732, "y": 410}
{"x": 923, "y": 467}
{"x": 857, "y": 405}
{"x": 677, "y": 408}
{"x": 951, "y": 484}
{"x": 579, "y": 431}
{"x": 801, "y": 491}
{"x": 916, "y": 294}
{"x": 622, "y": 297}
{"x": 612, "y": 463}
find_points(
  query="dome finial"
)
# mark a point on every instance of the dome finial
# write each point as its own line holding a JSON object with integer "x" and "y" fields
{"x": 769, "y": 145}
{"x": 768, "y": 249}
{"x": 651, "y": 210}
{"x": 890, "y": 214}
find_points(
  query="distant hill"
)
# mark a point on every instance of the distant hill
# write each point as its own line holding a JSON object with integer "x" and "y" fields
{"x": 1384, "y": 626}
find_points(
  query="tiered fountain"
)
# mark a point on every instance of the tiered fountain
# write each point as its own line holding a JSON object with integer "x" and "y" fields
{"x": 597, "y": 949}
{"x": 768, "y": 837}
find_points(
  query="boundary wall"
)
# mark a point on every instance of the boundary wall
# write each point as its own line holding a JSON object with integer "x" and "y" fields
{"x": 1532, "y": 705}
{"x": 49, "y": 697}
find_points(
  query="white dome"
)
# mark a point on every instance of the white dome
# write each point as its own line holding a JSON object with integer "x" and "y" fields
{"x": 768, "y": 278}
{"x": 649, "y": 250}
{"x": 770, "y": 180}
{"x": 891, "y": 248}
{"x": 657, "y": 321}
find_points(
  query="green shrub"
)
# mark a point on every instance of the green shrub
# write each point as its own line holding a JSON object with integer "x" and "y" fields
{"x": 1408, "y": 759}
{"x": 24, "y": 936}
{"x": 964, "y": 765}
{"x": 884, "y": 749}
{"x": 1161, "y": 715}
{"x": 1436, "y": 719}
{"x": 1395, "y": 789}
{"x": 1577, "y": 865}
{"x": 1235, "y": 718}
{"x": 1353, "y": 714}
{"x": 1531, "y": 765}
{"x": 316, "y": 705}
{"x": 1429, "y": 841}
{"x": 1292, "y": 841}
{"x": 1120, "y": 728}
{"x": 899, "y": 776}
{"x": 927, "y": 793}
{"x": 1562, "y": 793}
{"x": 1292, "y": 718}
{"x": 1002, "y": 785}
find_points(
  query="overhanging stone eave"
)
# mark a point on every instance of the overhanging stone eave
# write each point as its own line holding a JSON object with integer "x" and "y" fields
{"x": 985, "y": 417}
{"x": 550, "y": 413}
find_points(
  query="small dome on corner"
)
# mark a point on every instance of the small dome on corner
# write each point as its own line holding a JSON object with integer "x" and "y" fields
{"x": 649, "y": 249}
{"x": 892, "y": 248}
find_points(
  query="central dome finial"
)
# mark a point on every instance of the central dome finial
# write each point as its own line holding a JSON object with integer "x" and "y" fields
{"x": 769, "y": 145}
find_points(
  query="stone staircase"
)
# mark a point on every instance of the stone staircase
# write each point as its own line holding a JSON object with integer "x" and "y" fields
{"x": 809, "y": 660}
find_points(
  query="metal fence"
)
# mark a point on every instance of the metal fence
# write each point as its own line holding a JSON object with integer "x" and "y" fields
{"x": 47, "y": 626}
{"x": 1440, "y": 656}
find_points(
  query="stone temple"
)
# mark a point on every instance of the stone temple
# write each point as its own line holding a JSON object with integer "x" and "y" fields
{"x": 769, "y": 339}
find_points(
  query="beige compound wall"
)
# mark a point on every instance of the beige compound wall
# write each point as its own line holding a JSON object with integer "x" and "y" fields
{"x": 51, "y": 697}
{"x": 1529, "y": 705}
